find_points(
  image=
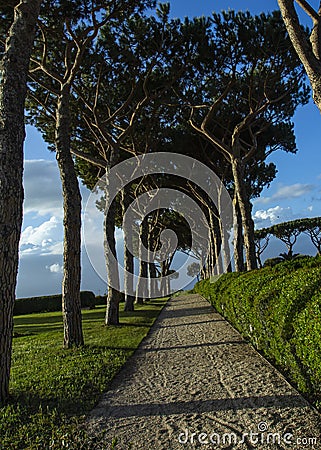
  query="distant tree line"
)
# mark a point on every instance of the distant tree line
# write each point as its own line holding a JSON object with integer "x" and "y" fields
{"x": 288, "y": 233}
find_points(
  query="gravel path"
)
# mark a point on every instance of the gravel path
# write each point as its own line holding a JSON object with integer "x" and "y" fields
{"x": 195, "y": 383}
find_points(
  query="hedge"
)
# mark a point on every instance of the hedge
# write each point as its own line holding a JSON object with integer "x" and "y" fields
{"x": 279, "y": 310}
{"x": 49, "y": 303}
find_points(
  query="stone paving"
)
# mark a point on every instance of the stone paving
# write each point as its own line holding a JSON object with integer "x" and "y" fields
{"x": 195, "y": 383}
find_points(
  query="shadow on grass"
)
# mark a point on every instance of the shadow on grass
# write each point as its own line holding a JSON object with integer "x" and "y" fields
{"x": 33, "y": 330}
{"x": 31, "y": 404}
{"x": 38, "y": 319}
{"x": 27, "y": 326}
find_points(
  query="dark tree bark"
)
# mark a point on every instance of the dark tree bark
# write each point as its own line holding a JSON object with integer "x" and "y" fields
{"x": 260, "y": 245}
{"x": 154, "y": 290}
{"x": 71, "y": 307}
{"x": 217, "y": 242}
{"x": 226, "y": 255}
{"x": 245, "y": 210}
{"x": 128, "y": 256}
{"x": 141, "y": 289}
{"x": 113, "y": 295}
{"x": 13, "y": 89}
{"x": 163, "y": 283}
{"x": 315, "y": 235}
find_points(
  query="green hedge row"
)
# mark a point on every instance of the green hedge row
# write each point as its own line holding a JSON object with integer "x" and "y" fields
{"x": 279, "y": 310}
{"x": 49, "y": 303}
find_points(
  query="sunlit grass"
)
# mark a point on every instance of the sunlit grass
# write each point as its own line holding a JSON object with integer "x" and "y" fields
{"x": 52, "y": 388}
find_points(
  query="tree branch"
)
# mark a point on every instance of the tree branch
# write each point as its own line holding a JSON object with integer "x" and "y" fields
{"x": 46, "y": 108}
{"x": 91, "y": 159}
{"x": 309, "y": 10}
{"x": 298, "y": 37}
{"x": 224, "y": 149}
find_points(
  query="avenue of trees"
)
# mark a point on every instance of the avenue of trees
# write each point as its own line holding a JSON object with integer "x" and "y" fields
{"x": 108, "y": 80}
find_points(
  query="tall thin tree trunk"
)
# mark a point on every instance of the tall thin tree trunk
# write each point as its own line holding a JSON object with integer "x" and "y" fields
{"x": 225, "y": 247}
{"x": 238, "y": 237}
{"x": 141, "y": 289}
{"x": 71, "y": 307}
{"x": 128, "y": 256}
{"x": 113, "y": 295}
{"x": 13, "y": 89}
{"x": 224, "y": 233}
{"x": 245, "y": 210}
{"x": 258, "y": 257}
{"x": 168, "y": 286}
{"x": 154, "y": 291}
{"x": 214, "y": 247}
{"x": 218, "y": 268}
{"x": 162, "y": 278}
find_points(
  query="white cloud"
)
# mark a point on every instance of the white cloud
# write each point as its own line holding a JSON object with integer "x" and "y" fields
{"x": 43, "y": 193}
{"x": 265, "y": 218}
{"x": 42, "y": 185}
{"x": 286, "y": 192}
{"x": 44, "y": 239}
{"x": 55, "y": 268}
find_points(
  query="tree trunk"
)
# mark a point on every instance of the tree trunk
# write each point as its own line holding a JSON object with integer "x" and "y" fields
{"x": 113, "y": 295}
{"x": 71, "y": 307}
{"x": 162, "y": 278}
{"x": 128, "y": 256}
{"x": 141, "y": 289}
{"x": 168, "y": 287}
{"x": 225, "y": 248}
{"x": 165, "y": 280}
{"x": 258, "y": 257}
{"x": 211, "y": 249}
{"x": 218, "y": 268}
{"x": 154, "y": 288}
{"x": 308, "y": 52}
{"x": 224, "y": 233}
{"x": 216, "y": 242}
{"x": 245, "y": 210}
{"x": 315, "y": 81}
{"x": 154, "y": 291}
{"x": 238, "y": 237}
{"x": 13, "y": 89}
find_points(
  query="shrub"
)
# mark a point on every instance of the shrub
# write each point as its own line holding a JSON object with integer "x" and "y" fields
{"x": 101, "y": 299}
{"x": 279, "y": 310}
{"x": 271, "y": 262}
{"x": 49, "y": 303}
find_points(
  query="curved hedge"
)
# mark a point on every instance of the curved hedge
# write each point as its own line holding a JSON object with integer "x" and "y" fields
{"x": 49, "y": 303}
{"x": 279, "y": 310}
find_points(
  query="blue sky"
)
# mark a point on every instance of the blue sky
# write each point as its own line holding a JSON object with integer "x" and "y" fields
{"x": 296, "y": 191}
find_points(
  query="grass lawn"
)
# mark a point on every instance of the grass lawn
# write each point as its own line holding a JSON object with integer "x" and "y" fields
{"x": 51, "y": 388}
